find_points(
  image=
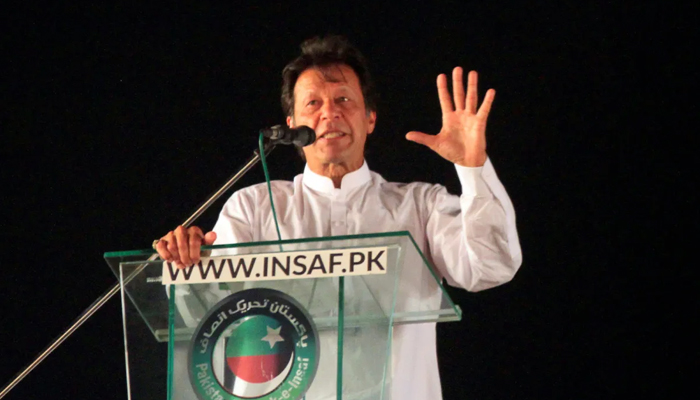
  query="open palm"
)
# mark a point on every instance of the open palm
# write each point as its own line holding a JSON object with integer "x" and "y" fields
{"x": 462, "y": 139}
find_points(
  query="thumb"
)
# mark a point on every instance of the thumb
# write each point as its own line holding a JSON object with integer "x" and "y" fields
{"x": 209, "y": 238}
{"x": 421, "y": 138}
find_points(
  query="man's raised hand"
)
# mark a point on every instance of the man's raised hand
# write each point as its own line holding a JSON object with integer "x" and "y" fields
{"x": 462, "y": 139}
{"x": 183, "y": 245}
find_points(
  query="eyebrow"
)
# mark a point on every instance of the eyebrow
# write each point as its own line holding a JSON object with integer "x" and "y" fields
{"x": 342, "y": 88}
{"x": 324, "y": 71}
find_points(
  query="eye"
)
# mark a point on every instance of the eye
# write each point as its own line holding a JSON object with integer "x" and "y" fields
{"x": 342, "y": 99}
{"x": 312, "y": 103}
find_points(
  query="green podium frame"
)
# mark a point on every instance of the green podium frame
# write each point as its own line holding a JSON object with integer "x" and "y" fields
{"x": 352, "y": 316}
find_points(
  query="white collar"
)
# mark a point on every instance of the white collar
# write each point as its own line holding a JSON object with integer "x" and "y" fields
{"x": 323, "y": 184}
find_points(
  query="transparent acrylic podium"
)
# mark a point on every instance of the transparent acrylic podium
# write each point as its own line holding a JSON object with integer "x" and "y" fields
{"x": 354, "y": 316}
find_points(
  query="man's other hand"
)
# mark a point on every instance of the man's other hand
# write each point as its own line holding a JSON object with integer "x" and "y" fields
{"x": 462, "y": 139}
{"x": 183, "y": 245}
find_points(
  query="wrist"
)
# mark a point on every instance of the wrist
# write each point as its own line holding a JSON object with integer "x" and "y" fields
{"x": 474, "y": 161}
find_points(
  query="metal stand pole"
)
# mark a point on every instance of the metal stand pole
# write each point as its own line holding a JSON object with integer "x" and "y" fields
{"x": 115, "y": 289}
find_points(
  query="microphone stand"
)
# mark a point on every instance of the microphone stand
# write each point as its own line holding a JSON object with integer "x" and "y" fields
{"x": 115, "y": 289}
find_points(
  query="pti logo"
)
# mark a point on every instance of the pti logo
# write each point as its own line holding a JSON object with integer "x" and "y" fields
{"x": 258, "y": 343}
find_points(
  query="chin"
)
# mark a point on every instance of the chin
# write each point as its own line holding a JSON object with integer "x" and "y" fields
{"x": 334, "y": 160}
{"x": 334, "y": 157}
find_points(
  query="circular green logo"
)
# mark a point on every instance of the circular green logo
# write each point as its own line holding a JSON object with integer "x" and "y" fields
{"x": 254, "y": 344}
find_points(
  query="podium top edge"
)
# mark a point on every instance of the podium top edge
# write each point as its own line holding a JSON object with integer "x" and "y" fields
{"x": 146, "y": 252}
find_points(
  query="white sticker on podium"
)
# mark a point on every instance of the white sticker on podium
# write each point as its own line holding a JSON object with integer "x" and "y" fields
{"x": 283, "y": 265}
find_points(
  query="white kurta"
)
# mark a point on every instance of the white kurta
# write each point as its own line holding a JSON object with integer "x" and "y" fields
{"x": 471, "y": 239}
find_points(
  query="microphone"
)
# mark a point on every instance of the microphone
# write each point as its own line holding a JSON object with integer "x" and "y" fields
{"x": 301, "y": 136}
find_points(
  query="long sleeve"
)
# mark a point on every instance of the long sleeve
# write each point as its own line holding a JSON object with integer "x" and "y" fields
{"x": 235, "y": 220}
{"x": 473, "y": 238}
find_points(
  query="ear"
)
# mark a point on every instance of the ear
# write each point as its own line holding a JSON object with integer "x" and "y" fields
{"x": 371, "y": 121}
{"x": 290, "y": 122}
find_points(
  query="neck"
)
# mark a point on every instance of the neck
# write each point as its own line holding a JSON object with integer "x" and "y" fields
{"x": 335, "y": 172}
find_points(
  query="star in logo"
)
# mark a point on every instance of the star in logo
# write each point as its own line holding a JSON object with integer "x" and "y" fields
{"x": 273, "y": 336}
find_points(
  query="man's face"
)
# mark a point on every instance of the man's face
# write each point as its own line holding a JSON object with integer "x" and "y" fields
{"x": 330, "y": 102}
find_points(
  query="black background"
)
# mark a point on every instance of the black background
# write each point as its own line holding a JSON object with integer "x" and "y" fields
{"x": 118, "y": 119}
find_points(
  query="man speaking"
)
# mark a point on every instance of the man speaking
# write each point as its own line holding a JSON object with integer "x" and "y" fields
{"x": 470, "y": 239}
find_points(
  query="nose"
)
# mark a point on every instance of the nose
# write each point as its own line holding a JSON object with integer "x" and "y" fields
{"x": 330, "y": 110}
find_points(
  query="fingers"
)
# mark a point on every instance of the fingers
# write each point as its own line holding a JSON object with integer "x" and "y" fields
{"x": 183, "y": 246}
{"x": 486, "y": 105}
{"x": 461, "y": 102}
{"x": 472, "y": 93}
{"x": 162, "y": 249}
{"x": 458, "y": 88}
{"x": 444, "y": 94}
{"x": 209, "y": 238}
{"x": 171, "y": 243}
{"x": 196, "y": 237}
{"x": 182, "y": 238}
{"x": 422, "y": 138}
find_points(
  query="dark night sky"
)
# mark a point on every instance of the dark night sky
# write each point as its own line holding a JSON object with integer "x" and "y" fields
{"x": 117, "y": 120}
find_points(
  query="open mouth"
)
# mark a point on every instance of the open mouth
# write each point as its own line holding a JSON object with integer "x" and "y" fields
{"x": 333, "y": 135}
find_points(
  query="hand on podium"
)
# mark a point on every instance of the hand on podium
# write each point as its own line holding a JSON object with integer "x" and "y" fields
{"x": 182, "y": 246}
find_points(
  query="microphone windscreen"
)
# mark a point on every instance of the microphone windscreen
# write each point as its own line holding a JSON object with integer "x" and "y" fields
{"x": 304, "y": 137}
